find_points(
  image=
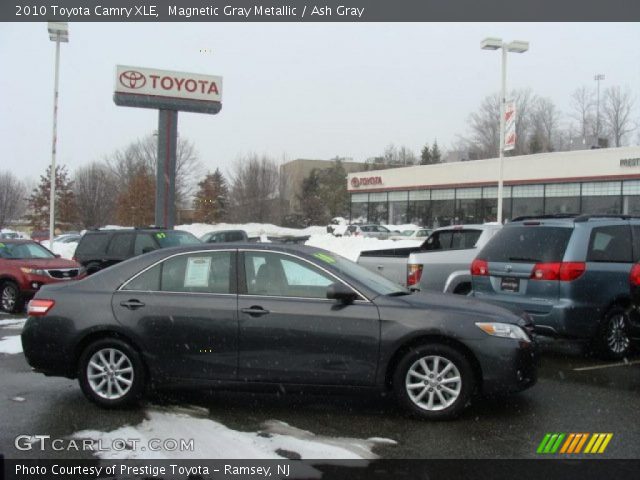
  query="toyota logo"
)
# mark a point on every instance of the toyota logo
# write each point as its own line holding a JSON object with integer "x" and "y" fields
{"x": 132, "y": 79}
{"x": 355, "y": 182}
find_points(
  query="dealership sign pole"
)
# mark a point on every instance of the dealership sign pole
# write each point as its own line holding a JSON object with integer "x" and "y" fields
{"x": 168, "y": 92}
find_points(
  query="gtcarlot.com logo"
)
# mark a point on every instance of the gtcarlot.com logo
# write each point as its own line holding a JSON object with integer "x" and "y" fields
{"x": 574, "y": 443}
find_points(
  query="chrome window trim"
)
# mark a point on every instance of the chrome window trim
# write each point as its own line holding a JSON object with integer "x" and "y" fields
{"x": 126, "y": 282}
{"x": 331, "y": 274}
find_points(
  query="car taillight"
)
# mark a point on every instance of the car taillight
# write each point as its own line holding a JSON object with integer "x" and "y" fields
{"x": 634, "y": 276}
{"x": 479, "y": 268}
{"x": 414, "y": 274}
{"x": 563, "y": 271}
{"x": 39, "y": 307}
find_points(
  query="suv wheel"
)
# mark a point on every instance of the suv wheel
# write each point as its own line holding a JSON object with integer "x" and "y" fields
{"x": 93, "y": 268}
{"x": 10, "y": 300}
{"x": 111, "y": 373}
{"x": 434, "y": 381}
{"x": 613, "y": 340}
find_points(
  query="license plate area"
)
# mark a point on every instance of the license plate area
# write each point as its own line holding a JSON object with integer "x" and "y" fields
{"x": 510, "y": 284}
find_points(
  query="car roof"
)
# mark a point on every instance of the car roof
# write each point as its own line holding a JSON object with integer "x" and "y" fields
{"x": 473, "y": 226}
{"x": 570, "y": 219}
{"x": 17, "y": 240}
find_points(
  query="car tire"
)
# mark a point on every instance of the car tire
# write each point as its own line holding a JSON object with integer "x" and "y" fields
{"x": 111, "y": 373}
{"x": 11, "y": 300}
{"x": 613, "y": 339}
{"x": 463, "y": 289}
{"x": 434, "y": 397}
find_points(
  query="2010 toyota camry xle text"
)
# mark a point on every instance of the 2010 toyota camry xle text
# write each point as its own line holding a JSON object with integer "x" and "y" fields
{"x": 237, "y": 314}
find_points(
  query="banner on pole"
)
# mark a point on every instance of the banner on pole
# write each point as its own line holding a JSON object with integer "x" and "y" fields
{"x": 510, "y": 125}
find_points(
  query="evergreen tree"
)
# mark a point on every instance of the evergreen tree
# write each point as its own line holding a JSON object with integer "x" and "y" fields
{"x": 312, "y": 207}
{"x": 436, "y": 156}
{"x": 425, "y": 156}
{"x": 65, "y": 207}
{"x": 333, "y": 190}
{"x": 211, "y": 200}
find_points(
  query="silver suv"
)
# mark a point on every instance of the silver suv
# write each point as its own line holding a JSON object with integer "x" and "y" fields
{"x": 570, "y": 273}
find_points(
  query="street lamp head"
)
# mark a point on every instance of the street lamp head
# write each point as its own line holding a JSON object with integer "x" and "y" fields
{"x": 58, "y": 31}
{"x": 518, "y": 46}
{"x": 491, "y": 43}
{"x": 599, "y": 77}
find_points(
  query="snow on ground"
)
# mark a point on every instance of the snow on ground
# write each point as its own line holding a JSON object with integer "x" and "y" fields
{"x": 212, "y": 439}
{"x": 11, "y": 345}
{"x": 16, "y": 323}
{"x": 65, "y": 250}
{"x": 350, "y": 247}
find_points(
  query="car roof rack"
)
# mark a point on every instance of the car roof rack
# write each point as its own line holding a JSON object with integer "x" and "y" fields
{"x": 546, "y": 217}
{"x": 586, "y": 218}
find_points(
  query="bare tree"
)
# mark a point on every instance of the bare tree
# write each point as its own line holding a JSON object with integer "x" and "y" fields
{"x": 582, "y": 104}
{"x": 13, "y": 198}
{"x": 254, "y": 193}
{"x": 144, "y": 154}
{"x": 546, "y": 126}
{"x": 617, "y": 110}
{"x": 96, "y": 193}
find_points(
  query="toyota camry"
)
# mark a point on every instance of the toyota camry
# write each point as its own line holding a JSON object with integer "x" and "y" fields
{"x": 236, "y": 314}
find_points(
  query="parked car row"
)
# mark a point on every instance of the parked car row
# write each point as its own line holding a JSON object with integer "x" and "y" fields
{"x": 577, "y": 276}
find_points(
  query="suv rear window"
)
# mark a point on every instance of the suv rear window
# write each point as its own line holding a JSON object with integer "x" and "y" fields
{"x": 527, "y": 244}
{"x": 93, "y": 243}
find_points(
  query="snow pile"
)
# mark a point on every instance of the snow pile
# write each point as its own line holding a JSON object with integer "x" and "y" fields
{"x": 65, "y": 250}
{"x": 14, "y": 323}
{"x": 11, "y": 345}
{"x": 252, "y": 229}
{"x": 212, "y": 439}
{"x": 350, "y": 247}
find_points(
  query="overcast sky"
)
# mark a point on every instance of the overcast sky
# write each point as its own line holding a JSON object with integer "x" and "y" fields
{"x": 290, "y": 90}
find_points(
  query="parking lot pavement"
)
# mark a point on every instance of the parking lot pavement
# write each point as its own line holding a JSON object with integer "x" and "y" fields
{"x": 575, "y": 393}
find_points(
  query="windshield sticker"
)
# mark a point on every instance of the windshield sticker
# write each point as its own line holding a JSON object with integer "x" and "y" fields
{"x": 161, "y": 235}
{"x": 324, "y": 257}
{"x": 2, "y": 245}
{"x": 197, "y": 274}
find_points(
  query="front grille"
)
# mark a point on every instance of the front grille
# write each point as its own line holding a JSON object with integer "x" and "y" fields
{"x": 63, "y": 274}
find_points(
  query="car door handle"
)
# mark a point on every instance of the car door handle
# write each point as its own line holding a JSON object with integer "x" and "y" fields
{"x": 132, "y": 304}
{"x": 255, "y": 311}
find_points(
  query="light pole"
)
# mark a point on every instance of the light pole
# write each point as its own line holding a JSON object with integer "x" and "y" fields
{"x": 58, "y": 32}
{"x": 598, "y": 78}
{"x": 517, "y": 47}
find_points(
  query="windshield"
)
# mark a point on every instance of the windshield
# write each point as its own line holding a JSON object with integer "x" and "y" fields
{"x": 373, "y": 281}
{"x": 24, "y": 250}
{"x": 176, "y": 238}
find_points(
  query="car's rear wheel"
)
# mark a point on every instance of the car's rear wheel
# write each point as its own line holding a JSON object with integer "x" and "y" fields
{"x": 111, "y": 373}
{"x": 10, "y": 299}
{"x": 613, "y": 340}
{"x": 434, "y": 381}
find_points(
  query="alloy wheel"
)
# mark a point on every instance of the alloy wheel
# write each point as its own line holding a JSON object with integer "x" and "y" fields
{"x": 433, "y": 383}
{"x": 617, "y": 338}
{"x": 9, "y": 297}
{"x": 110, "y": 373}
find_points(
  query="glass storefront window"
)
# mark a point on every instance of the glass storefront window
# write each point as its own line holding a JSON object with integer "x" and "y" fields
{"x": 378, "y": 208}
{"x": 359, "y": 207}
{"x": 602, "y": 197}
{"x": 468, "y": 205}
{"x": 398, "y": 207}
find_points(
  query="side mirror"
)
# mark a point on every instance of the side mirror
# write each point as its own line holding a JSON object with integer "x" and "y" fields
{"x": 339, "y": 291}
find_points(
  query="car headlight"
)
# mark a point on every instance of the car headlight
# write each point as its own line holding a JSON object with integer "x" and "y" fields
{"x": 504, "y": 330}
{"x": 33, "y": 271}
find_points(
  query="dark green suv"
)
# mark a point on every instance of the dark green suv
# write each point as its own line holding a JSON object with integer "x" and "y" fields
{"x": 99, "y": 249}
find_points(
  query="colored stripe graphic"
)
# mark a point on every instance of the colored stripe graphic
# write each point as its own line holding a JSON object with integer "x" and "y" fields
{"x": 573, "y": 443}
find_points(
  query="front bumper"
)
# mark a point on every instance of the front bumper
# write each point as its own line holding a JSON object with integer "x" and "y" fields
{"x": 507, "y": 365}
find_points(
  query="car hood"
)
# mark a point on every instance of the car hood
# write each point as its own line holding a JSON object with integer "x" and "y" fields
{"x": 48, "y": 263}
{"x": 466, "y": 305}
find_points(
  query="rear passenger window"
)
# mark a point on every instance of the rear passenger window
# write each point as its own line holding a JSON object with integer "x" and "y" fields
{"x": 148, "y": 281}
{"x": 144, "y": 243}
{"x": 197, "y": 273}
{"x": 93, "y": 243}
{"x": 120, "y": 245}
{"x": 610, "y": 244}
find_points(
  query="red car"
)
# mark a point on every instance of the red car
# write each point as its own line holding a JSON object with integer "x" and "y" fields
{"x": 25, "y": 266}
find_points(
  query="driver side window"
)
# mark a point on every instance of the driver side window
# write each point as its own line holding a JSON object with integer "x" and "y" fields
{"x": 273, "y": 274}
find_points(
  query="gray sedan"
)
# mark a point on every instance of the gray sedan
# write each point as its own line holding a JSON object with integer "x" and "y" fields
{"x": 234, "y": 315}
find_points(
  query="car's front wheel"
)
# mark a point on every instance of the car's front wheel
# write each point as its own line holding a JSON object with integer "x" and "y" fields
{"x": 111, "y": 373}
{"x": 10, "y": 299}
{"x": 434, "y": 381}
{"x": 613, "y": 340}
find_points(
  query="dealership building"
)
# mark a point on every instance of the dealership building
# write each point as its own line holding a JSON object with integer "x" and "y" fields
{"x": 603, "y": 181}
